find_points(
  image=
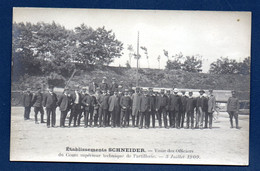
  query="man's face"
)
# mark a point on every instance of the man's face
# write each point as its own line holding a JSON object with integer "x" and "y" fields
{"x": 201, "y": 93}
{"x": 39, "y": 90}
{"x": 51, "y": 90}
{"x": 190, "y": 94}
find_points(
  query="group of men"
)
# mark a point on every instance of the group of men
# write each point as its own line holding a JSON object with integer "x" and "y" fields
{"x": 112, "y": 105}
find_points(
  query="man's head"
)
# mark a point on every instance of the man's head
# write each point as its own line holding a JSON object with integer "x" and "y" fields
{"x": 183, "y": 93}
{"x": 201, "y": 92}
{"x": 66, "y": 90}
{"x": 210, "y": 91}
{"x": 145, "y": 92}
{"x": 162, "y": 91}
{"x": 190, "y": 93}
{"x": 234, "y": 93}
{"x": 175, "y": 91}
{"x": 28, "y": 90}
{"x": 126, "y": 92}
{"x": 51, "y": 88}
{"x": 39, "y": 89}
{"x": 168, "y": 92}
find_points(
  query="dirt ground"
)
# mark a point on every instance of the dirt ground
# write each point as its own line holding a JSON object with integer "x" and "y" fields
{"x": 220, "y": 145}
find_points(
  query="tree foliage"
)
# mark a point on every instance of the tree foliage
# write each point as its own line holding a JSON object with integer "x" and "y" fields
{"x": 185, "y": 63}
{"x": 44, "y": 48}
{"x": 230, "y": 66}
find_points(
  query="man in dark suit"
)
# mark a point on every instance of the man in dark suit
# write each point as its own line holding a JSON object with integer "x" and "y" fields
{"x": 145, "y": 108}
{"x": 232, "y": 108}
{"x": 27, "y": 103}
{"x": 50, "y": 102}
{"x": 152, "y": 98}
{"x": 161, "y": 104}
{"x": 190, "y": 106}
{"x": 76, "y": 107}
{"x": 104, "y": 85}
{"x": 125, "y": 104}
{"x": 114, "y": 106}
{"x": 88, "y": 105}
{"x": 174, "y": 107}
{"x": 183, "y": 108}
{"x": 64, "y": 103}
{"x": 37, "y": 104}
{"x": 93, "y": 86}
{"x": 114, "y": 85}
{"x": 103, "y": 113}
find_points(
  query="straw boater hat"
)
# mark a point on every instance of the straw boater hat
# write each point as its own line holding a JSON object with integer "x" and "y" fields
{"x": 175, "y": 90}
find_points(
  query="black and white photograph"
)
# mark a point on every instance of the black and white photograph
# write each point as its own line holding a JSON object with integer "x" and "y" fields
{"x": 130, "y": 86}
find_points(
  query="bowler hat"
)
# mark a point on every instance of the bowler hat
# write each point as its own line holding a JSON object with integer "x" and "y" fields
{"x": 201, "y": 90}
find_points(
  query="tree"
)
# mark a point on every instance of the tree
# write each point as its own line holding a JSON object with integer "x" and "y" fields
{"x": 187, "y": 63}
{"x": 96, "y": 47}
{"x": 192, "y": 64}
{"x": 230, "y": 66}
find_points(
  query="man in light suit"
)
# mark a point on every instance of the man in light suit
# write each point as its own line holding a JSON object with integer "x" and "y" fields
{"x": 113, "y": 102}
{"x": 64, "y": 103}
{"x": 50, "y": 102}
{"x": 93, "y": 86}
{"x": 135, "y": 106}
{"x": 211, "y": 109}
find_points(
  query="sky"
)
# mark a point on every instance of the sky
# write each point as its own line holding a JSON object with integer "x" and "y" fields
{"x": 206, "y": 33}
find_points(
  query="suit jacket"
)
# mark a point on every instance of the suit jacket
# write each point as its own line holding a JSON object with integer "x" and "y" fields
{"x": 125, "y": 101}
{"x": 175, "y": 103}
{"x": 203, "y": 103}
{"x": 37, "y": 100}
{"x": 104, "y": 102}
{"x": 152, "y": 102}
{"x": 232, "y": 104}
{"x": 136, "y": 101}
{"x": 50, "y": 101}
{"x": 113, "y": 102}
{"x": 64, "y": 102}
{"x": 88, "y": 102}
{"x": 191, "y": 104}
{"x": 145, "y": 104}
{"x": 114, "y": 87}
{"x": 73, "y": 96}
{"x": 103, "y": 86}
{"x": 161, "y": 101}
{"x": 183, "y": 103}
{"x": 27, "y": 99}
{"x": 92, "y": 87}
{"x": 211, "y": 103}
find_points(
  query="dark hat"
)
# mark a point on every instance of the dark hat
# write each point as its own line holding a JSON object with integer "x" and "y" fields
{"x": 168, "y": 91}
{"x": 201, "y": 90}
{"x": 51, "y": 86}
{"x": 162, "y": 90}
{"x": 233, "y": 92}
{"x": 211, "y": 90}
{"x": 38, "y": 88}
{"x": 150, "y": 88}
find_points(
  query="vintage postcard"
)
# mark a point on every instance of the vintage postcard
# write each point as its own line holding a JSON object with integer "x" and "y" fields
{"x": 130, "y": 86}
